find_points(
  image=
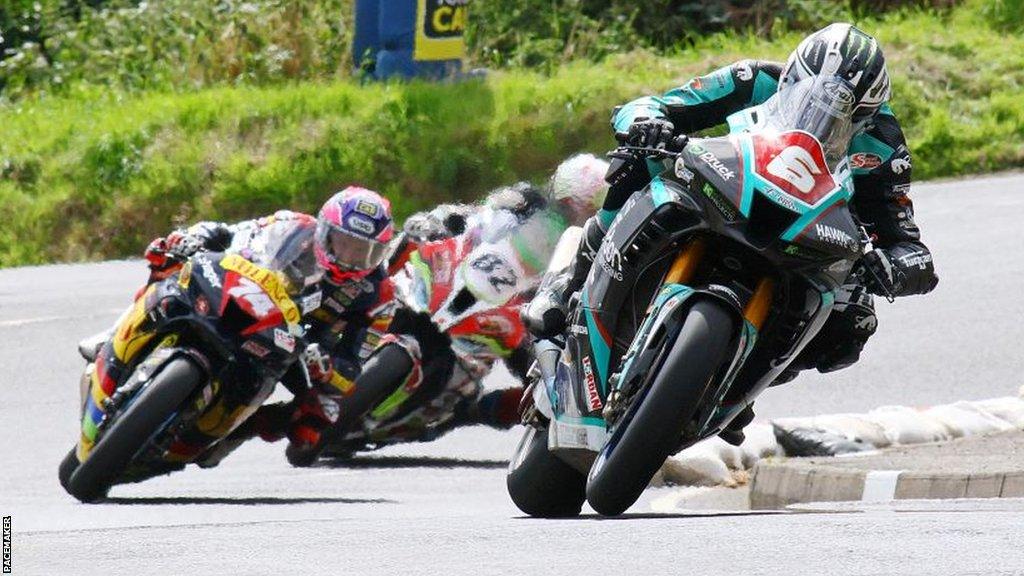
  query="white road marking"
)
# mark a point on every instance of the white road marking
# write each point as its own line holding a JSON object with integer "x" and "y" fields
{"x": 880, "y": 485}
{"x": 42, "y": 319}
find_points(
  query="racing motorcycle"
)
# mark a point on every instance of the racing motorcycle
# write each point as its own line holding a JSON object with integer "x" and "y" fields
{"x": 707, "y": 285}
{"x": 457, "y": 313}
{"x": 194, "y": 357}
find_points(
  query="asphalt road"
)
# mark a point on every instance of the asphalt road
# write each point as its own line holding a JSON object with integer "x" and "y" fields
{"x": 442, "y": 508}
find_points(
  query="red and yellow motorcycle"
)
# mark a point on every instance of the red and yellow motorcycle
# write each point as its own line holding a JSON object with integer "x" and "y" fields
{"x": 195, "y": 356}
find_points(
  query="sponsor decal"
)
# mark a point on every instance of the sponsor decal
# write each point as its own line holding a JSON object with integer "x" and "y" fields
{"x": 901, "y": 189}
{"x": 723, "y": 205}
{"x": 833, "y": 236}
{"x": 900, "y": 165}
{"x": 919, "y": 259}
{"x": 682, "y": 172}
{"x": 266, "y": 280}
{"x": 711, "y": 160}
{"x": 334, "y": 305}
{"x": 610, "y": 260}
{"x": 840, "y": 93}
{"x": 312, "y": 301}
{"x": 361, "y": 224}
{"x": 368, "y": 208}
{"x": 744, "y": 72}
{"x": 254, "y": 348}
{"x": 209, "y": 273}
{"x": 284, "y": 340}
{"x": 865, "y": 160}
{"x": 254, "y": 298}
{"x": 780, "y": 198}
{"x": 593, "y": 396}
{"x": 579, "y": 329}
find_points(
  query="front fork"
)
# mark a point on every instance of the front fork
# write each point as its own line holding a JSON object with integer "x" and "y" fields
{"x": 673, "y": 290}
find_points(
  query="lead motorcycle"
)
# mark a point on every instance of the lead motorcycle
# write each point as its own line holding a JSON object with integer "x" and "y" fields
{"x": 193, "y": 358}
{"x": 707, "y": 285}
{"x": 457, "y": 313}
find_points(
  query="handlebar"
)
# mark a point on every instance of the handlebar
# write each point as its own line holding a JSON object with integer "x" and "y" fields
{"x": 664, "y": 150}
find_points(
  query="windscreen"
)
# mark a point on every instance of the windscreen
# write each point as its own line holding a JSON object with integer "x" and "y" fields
{"x": 289, "y": 251}
{"x": 821, "y": 106}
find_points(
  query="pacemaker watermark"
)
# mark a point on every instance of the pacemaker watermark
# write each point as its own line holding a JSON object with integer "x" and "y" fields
{"x": 7, "y": 544}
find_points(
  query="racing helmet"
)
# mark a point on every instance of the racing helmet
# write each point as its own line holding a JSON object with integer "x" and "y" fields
{"x": 578, "y": 188}
{"x": 353, "y": 234}
{"x": 843, "y": 51}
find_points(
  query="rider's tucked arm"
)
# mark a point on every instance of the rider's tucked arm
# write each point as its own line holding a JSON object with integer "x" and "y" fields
{"x": 705, "y": 101}
{"x": 215, "y": 236}
{"x": 700, "y": 104}
{"x": 881, "y": 168}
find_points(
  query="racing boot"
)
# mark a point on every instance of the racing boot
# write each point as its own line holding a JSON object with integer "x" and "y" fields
{"x": 89, "y": 347}
{"x": 269, "y": 422}
{"x": 546, "y": 315}
{"x": 733, "y": 433}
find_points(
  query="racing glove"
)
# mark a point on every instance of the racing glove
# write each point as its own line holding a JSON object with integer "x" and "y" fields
{"x": 647, "y": 133}
{"x": 172, "y": 249}
{"x": 879, "y": 274}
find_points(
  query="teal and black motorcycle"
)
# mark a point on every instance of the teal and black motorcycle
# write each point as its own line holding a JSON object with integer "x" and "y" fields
{"x": 708, "y": 284}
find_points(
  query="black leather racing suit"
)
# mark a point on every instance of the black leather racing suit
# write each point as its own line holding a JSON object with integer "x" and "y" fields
{"x": 881, "y": 166}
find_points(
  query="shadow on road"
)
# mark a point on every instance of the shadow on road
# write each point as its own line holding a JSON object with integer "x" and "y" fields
{"x": 665, "y": 516}
{"x": 409, "y": 462}
{"x": 242, "y": 501}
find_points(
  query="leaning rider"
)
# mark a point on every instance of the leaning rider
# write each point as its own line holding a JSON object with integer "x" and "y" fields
{"x": 899, "y": 265}
{"x": 573, "y": 192}
{"x": 350, "y": 239}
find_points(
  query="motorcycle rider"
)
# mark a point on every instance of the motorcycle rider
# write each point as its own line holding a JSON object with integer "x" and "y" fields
{"x": 345, "y": 307}
{"x": 572, "y": 193}
{"x": 899, "y": 264}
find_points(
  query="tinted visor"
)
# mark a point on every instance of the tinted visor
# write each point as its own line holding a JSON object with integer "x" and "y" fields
{"x": 351, "y": 252}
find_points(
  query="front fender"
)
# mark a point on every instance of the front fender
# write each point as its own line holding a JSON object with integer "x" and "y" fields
{"x": 661, "y": 325}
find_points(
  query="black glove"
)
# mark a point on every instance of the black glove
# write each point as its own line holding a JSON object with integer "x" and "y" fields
{"x": 648, "y": 132}
{"x": 879, "y": 275}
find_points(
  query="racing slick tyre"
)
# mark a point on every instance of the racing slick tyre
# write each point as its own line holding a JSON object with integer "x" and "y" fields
{"x": 651, "y": 429}
{"x": 540, "y": 483}
{"x": 384, "y": 372}
{"x": 131, "y": 429}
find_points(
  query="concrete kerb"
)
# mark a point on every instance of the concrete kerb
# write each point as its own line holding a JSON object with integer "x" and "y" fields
{"x": 777, "y": 483}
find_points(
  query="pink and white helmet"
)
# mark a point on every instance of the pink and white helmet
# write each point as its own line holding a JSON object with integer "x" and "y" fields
{"x": 353, "y": 233}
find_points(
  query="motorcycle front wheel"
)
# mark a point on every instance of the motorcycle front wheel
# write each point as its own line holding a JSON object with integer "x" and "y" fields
{"x": 652, "y": 427}
{"x": 145, "y": 416}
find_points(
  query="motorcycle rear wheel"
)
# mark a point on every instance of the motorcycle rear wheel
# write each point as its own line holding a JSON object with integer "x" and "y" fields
{"x": 132, "y": 429}
{"x": 652, "y": 428}
{"x": 540, "y": 483}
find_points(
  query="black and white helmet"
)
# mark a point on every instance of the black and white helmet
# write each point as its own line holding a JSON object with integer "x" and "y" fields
{"x": 845, "y": 51}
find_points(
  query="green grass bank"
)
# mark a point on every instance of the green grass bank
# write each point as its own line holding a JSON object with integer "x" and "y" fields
{"x": 93, "y": 174}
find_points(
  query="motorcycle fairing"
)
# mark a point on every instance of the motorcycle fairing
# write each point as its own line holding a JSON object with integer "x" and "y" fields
{"x": 186, "y": 303}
